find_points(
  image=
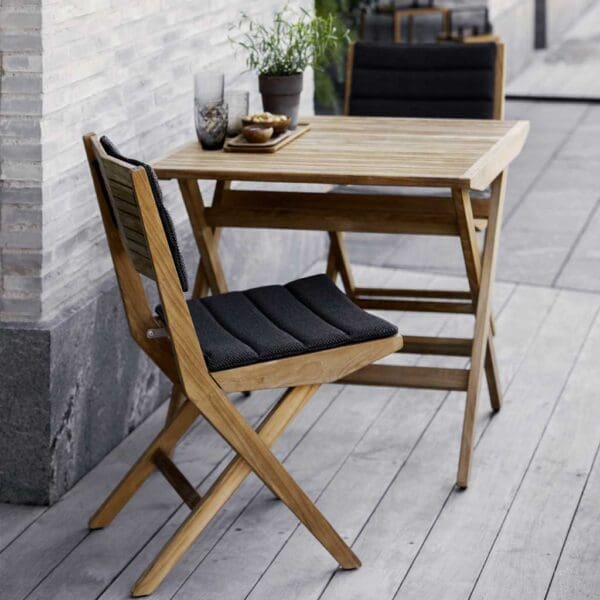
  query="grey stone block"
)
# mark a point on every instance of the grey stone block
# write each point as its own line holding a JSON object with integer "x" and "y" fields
{"x": 69, "y": 392}
{"x": 24, "y": 414}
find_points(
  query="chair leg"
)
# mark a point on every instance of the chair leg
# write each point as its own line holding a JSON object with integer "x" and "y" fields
{"x": 222, "y": 489}
{"x": 331, "y": 269}
{"x": 206, "y": 238}
{"x": 175, "y": 403}
{"x": 339, "y": 257}
{"x": 165, "y": 441}
{"x": 225, "y": 418}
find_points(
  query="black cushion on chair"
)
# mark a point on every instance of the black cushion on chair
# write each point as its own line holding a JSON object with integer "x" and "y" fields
{"x": 423, "y": 80}
{"x": 165, "y": 217}
{"x": 267, "y": 323}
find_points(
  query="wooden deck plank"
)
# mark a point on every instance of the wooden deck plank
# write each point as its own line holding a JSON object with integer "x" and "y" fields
{"x": 577, "y": 574}
{"x": 56, "y": 535}
{"x": 301, "y": 571}
{"x": 15, "y": 518}
{"x": 391, "y": 538}
{"x": 542, "y": 230}
{"x": 547, "y": 499}
{"x": 581, "y": 271}
{"x": 453, "y": 554}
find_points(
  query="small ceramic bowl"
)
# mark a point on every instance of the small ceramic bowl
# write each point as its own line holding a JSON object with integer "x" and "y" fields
{"x": 257, "y": 134}
{"x": 279, "y": 123}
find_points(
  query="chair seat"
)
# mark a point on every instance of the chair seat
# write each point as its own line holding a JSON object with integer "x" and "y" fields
{"x": 277, "y": 321}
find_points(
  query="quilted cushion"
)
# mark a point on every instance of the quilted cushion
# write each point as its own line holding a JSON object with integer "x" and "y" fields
{"x": 423, "y": 80}
{"x": 165, "y": 217}
{"x": 266, "y": 323}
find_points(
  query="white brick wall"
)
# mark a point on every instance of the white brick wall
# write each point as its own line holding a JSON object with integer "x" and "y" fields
{"x": 121, "y": 68}
{"x": 20, "y": 159}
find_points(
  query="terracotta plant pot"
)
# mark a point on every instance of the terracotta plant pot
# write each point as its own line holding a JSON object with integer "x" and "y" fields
{"x": 281, "y": 95}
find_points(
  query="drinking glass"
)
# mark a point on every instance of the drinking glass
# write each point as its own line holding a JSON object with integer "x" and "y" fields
{"x": 209, "y": 87}
{"x": 238, "y": 102}
{"x": 210, "y": 110}
{"x": 211, "y": 124}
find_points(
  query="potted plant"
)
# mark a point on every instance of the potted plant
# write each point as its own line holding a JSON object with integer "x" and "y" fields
{"x": 281, "y": 52}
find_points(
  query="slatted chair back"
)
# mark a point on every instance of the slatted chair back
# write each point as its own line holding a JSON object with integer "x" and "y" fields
{"x": 425, "y": 80}
{"x": 139, "y": 245}
{"x": 124, "y": 204}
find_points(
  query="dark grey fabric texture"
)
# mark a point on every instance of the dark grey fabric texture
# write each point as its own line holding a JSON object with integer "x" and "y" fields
{"x": 165, "y": 217}
{"x": 423, "y": 80}
{"x": 267, "y": 323}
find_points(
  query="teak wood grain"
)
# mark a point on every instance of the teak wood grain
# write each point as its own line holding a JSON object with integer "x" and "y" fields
{"x": 368, "y": 151}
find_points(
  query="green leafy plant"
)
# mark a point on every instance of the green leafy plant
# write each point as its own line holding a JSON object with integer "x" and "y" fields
{"x": 291, "y": 43}
{"x": 329, "y": 81}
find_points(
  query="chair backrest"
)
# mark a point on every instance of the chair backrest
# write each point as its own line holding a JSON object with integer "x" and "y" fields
{"x": 139, "y": 244}
{"x": 425, "y": 80}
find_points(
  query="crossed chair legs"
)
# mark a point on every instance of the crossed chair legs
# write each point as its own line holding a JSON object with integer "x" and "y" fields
{"x": 253, "y": 455}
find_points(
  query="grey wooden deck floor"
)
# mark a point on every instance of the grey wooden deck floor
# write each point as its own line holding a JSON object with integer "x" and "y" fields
{"x": 381, "y": 463}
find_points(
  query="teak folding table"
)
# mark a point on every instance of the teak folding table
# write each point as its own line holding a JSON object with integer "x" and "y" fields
{"x": 459, "y": 155}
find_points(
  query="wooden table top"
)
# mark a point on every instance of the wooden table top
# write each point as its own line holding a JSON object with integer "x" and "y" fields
{"x": 367, "y": 151}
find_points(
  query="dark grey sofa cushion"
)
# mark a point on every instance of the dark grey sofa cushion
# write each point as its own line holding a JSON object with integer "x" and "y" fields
{"x": 267, "y": 323}
{"x": 423, "y": 80}
{"x": 165, "y": 217}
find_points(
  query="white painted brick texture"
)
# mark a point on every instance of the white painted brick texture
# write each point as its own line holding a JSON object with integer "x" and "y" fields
{"x": 121, "y": 68}
{"x": 20, "y": 160}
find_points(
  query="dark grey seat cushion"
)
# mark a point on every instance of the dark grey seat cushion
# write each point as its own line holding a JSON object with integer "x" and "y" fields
{"x": 165, "y": 217}
{"x": 423, "y": 80}
{"x": 266, "y": 323}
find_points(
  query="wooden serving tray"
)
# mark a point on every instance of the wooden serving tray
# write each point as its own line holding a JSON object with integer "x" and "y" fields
{"x": 241, "y": 144}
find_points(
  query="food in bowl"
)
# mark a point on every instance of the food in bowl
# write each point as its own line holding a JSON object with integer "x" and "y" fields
{"x": 279, "y": 123}
{"x": 257, "y": 134}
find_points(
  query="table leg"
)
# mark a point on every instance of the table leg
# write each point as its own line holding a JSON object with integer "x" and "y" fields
{"x": 206, "y": 238}
{"x": 201, "y": 287}
{"x": 481, "y": 275}
{"x": 338, "y": 262}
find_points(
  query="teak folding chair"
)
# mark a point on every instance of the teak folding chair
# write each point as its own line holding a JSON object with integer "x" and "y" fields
{"x": 430, "y": 81}
{"x": 296, "y": 336}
